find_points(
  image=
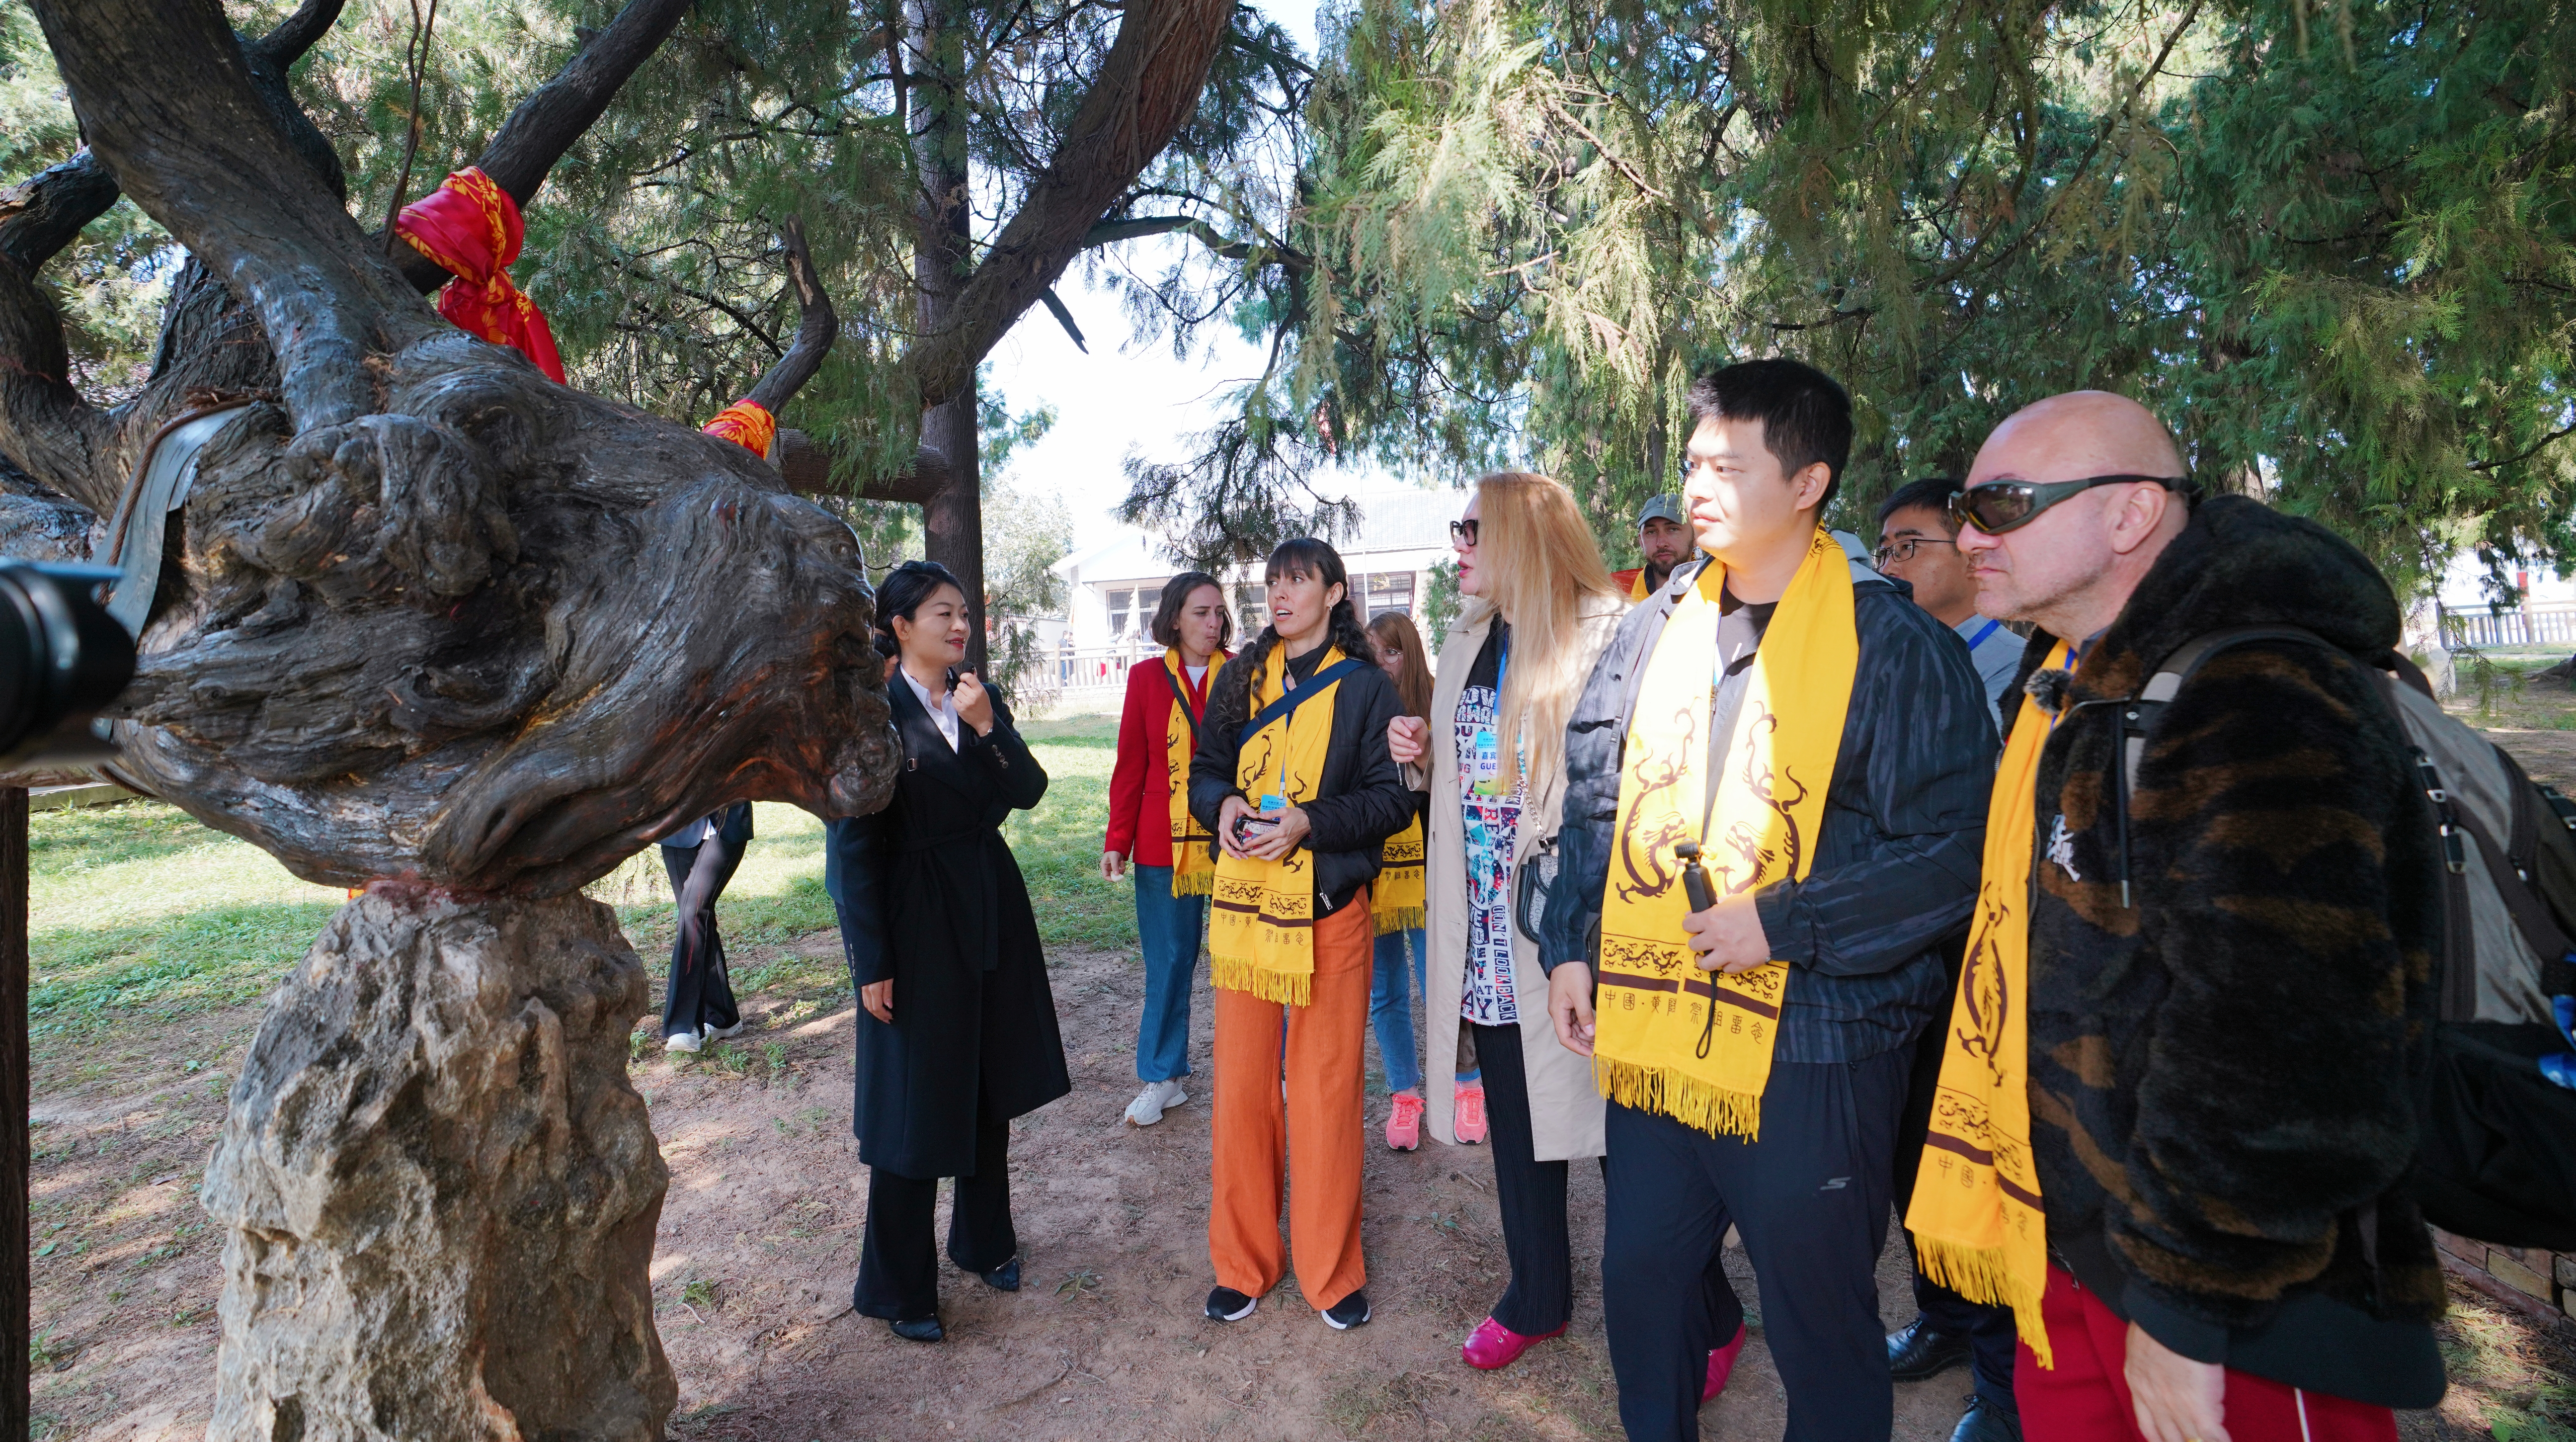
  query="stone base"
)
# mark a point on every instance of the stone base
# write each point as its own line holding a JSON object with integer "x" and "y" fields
{"x": 440, "y": 1189}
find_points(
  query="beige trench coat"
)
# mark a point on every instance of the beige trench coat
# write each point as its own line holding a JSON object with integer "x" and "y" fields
{"x": 1565, "y": 1108}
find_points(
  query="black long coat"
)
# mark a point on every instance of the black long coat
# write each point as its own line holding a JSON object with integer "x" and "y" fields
{"x": 929, "y": 895}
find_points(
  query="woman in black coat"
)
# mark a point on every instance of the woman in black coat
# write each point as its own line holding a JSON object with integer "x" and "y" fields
{"x": 956, "y": 1027}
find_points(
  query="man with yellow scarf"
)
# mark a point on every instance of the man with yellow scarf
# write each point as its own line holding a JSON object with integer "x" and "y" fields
{"x": 1776, "y": 786}
{"x": 2175, "y": 1118}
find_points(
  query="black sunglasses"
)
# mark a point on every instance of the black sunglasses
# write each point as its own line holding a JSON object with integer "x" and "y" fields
{"x": 1999, "y": 506}
{"x": 1463, "y": 531}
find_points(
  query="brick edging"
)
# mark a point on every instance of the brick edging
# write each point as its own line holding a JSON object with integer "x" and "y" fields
{"x": 2537, "y": 1283}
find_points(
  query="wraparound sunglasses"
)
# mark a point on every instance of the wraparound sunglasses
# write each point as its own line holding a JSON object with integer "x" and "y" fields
{"x": 1999, "y": 506}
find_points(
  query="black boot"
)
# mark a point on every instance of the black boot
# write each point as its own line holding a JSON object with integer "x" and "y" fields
{"x": 1986, "y": 1422}
{"x": 1922, "y": 1350}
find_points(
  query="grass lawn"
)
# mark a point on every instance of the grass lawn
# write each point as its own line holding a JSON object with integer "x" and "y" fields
{"x": 139, "y": 915}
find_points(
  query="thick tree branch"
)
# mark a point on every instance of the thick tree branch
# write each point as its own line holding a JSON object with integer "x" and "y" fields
{"x": 1147, "y": 86}
{"x": 45, "y": 212}
{"x": 815, "y": 330}
{"x": 807, "y": 469}
{"x": 546, "y": 124}
{"x": 167, "y": 98}
{"x": 45, "y": 427}
{"x": 1110, "y": 232}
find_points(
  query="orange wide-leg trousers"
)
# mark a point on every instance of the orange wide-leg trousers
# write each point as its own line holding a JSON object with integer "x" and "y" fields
{"x": 1318, "y": 1124}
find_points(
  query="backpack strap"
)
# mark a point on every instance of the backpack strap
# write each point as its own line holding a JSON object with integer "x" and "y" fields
{"x": 2137, "y": 719}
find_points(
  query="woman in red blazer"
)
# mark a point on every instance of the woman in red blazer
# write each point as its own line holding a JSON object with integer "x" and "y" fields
{"x": 1150, "y": 824}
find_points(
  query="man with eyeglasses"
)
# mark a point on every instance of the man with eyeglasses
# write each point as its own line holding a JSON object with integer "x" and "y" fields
{"x": 1918, "y": 545}
{"x": 2176, "y": 1117}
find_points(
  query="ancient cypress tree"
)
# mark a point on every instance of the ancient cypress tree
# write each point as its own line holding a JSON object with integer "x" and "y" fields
{"x": 426, "y": 619}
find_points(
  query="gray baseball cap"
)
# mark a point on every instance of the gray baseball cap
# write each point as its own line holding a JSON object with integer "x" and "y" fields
{"x": 1666, "y": 507}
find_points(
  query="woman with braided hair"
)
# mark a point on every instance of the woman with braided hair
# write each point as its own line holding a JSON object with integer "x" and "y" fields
{"x": 1293, "y": 777}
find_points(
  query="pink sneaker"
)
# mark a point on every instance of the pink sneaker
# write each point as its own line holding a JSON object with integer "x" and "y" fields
{"x": 1404, "y": 1123}
{"x": 1721, "y": 1365}
{"x": 1471, "y": 1112}
{"x": 1494, "y": 1345}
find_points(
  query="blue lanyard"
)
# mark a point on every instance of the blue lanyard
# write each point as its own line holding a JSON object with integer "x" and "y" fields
{"x": 1980, "y": 638}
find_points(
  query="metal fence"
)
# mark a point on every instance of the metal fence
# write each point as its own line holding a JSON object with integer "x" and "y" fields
{"x": 2552, "y": 624}
{"x": 1093, "y": 674}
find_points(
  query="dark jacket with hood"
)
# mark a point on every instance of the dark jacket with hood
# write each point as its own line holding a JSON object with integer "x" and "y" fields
{"x": 2221, "y": 1072}
{"x": 1898, "y": 851}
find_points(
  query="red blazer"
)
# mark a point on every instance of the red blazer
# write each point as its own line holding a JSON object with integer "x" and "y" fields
{"x": 1140, "y": 790}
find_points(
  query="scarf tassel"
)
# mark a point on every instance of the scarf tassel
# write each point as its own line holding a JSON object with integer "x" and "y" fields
{"x": 1236, "y": 973}
{"x": 1980, "y": 1274}
{"x": 1402, "y": 918}
{"x": 1669, "y": 1091}
{"x": 1193, "y": 883}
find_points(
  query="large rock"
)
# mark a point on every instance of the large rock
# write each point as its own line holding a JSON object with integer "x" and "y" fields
{"x": 440, "y": 1188}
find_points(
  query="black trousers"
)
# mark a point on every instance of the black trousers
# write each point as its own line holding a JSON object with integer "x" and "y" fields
{"x": 701, "y": 992}
{"x": 1531, "y": 1196}
{"x": 1811, "y": 1202}
{"x": 898, "y": 1261}
{"x": 1989, "y": 1329}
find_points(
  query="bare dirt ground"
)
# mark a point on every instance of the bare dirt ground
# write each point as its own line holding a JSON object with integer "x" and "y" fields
{"x": 760, "y": 1241}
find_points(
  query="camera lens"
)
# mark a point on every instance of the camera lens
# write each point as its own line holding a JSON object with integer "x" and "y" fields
{"x": 62, "y": 657}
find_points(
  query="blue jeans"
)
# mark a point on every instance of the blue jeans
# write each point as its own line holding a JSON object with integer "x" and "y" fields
{"x": 1391, "y": 1008}
{"x": 1168, "y": 926}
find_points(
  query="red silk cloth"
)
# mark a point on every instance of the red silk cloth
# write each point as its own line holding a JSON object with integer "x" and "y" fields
{"x": 747, "y": 424}
{"x": 471, "y": 228}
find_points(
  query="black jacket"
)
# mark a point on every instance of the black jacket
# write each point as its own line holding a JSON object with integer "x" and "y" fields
{"x": 929, "y": 895}
{"x": 733, "y": 827}
{"x": 2221, "y": 1073}
{"x": 1361, "y": 799}
{"x": 1897, "y": 855}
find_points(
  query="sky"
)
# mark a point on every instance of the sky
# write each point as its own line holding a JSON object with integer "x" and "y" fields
{"x": 1121, "y": 395}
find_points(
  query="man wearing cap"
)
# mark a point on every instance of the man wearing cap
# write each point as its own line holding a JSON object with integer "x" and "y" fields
{"x": 1664, "y": 539}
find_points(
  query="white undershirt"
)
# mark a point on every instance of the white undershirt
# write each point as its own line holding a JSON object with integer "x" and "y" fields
{"x": 941, "y": 709}
{"x": 1198, "y": 674}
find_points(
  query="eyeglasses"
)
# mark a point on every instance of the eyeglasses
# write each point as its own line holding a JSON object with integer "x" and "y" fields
{"x": 1463, "y": 533}
{"x": 1999, "y": 506}
{"x": 1904, "y": 550}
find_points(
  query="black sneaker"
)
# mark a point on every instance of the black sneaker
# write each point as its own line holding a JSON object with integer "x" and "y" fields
{"x": 1004, "y": 1278}
{"x": 1225, "y": 1304}
{"x": 919, "y": 1329}
{"x": 1351, "y": 1311}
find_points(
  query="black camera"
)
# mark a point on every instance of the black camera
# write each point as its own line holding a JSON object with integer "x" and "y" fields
{"x": 62, "y": 658}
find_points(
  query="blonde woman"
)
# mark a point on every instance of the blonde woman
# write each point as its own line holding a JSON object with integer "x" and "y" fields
{"x": 1539, "y": 610}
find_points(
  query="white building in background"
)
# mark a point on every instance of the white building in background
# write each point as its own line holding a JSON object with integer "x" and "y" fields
{"x": 1114, "y": 587}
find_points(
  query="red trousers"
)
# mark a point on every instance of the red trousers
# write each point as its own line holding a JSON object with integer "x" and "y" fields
{"x": 2085, "y": 1398}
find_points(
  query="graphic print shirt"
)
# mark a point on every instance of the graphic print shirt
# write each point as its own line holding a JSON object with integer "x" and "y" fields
{"x": 1492, "y": 819}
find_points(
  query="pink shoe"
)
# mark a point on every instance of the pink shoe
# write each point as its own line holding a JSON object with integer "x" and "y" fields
{"x": 1471, "y": 1113}
{"x": 1404, "y": 1124}
{"x": 1494, "y": 1345}
{"x": 1721, "y": 1365}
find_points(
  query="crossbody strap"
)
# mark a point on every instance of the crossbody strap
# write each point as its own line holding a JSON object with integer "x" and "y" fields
{"x": 1294, "y": 699}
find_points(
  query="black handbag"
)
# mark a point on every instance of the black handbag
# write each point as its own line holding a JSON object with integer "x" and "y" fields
{"x": 1530, "y": 887}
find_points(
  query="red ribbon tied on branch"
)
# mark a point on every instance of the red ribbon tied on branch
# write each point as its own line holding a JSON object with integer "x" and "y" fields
{"x": 471, "y": 228}
{"x": 747, "y": 424}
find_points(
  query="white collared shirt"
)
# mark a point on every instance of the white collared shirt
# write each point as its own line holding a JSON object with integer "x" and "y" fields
{"x": 940, "y": 707}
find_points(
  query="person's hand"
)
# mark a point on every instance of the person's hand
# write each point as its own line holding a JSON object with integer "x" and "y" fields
{"x": 1728, "y": 937}
{"x": 1234, "y": 806}
{"x": 1286, "y": 837}
{"x": 1405, "y": 736}
{"x": 878, "y": 998}
{"x": 974, "y": 704}
{"x": 2177, "y": 1399}
{"x": 1569, "y": 1005}
{"x": 1113, "y": 865}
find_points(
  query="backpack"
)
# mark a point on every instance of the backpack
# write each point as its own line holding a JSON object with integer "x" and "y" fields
{"x": 2496, "y": 1134}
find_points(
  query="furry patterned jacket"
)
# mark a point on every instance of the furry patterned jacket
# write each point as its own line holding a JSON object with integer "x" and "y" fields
{"x": 2222, "y": 1074}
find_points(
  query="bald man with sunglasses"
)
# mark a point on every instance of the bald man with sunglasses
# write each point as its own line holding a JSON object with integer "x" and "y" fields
{"x": 2228, "y": 926}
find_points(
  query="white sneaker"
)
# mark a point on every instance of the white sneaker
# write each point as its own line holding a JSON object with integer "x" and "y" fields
{"x": 719, "y": 1033}
{"x": 682, "y": 1041}
{"x": 1148, "y": 1106}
